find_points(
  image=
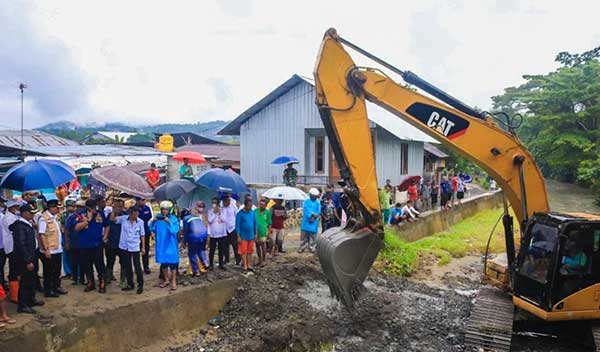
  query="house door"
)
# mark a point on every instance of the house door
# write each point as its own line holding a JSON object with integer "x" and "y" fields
{"x": 334, "y": 171}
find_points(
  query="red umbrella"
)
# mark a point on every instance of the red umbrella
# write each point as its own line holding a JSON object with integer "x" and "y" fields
{"x": 192, "y": 157}
{"x": 403, "y": 186}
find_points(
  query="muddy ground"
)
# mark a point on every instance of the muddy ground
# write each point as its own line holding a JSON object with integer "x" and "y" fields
{"x": 287, "y": 307}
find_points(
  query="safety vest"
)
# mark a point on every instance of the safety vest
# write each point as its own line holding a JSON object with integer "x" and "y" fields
{"x": 51, "y": 233}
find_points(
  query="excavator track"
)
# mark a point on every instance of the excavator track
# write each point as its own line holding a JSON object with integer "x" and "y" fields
{"x": 595, "y": 326}
{"x": 491, "y": 322}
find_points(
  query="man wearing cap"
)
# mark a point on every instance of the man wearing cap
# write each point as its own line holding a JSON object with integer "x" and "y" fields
{"x": 145, "y": 213}
{"x": 153, "y": 176}
{"x": 131, "y": 240}
{"x": 311, "y": 211}
{"x": 72, "y": 243}
{"x": 25, "y": 249}
{"x": 51, "y": 249}
{"x": 11, "y": 215}
{"x": 89, "y": 225}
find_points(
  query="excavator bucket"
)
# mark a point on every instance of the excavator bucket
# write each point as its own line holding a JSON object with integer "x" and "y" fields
{"x": 346, "y": 256}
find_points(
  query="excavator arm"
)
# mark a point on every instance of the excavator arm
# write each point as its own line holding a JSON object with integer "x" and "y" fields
{"x": 342, "y": 89}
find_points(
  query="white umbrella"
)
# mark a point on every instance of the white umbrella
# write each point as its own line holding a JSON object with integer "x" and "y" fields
{"x": 285, "y": 193}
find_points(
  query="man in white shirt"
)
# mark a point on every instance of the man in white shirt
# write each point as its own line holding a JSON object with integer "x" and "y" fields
{"x": 228, "y": 212}
{"x": 217, "y": 231}
{"x": 50, "y": 236}
{"x": 409, "y": 210}
{"x": 131, "y": 243}
{"x": 11, "y": 215}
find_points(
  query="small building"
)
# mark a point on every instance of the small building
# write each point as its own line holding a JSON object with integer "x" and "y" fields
{"x": 287, "y": 122}
{"x": 217, "y": 155}
{"x": 188, "y": 138}
{"x": 435, "y": 161}
{"x": 10, "y": 141}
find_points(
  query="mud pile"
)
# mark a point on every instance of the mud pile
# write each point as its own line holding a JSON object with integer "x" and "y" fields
{"x": 286, "y": 307}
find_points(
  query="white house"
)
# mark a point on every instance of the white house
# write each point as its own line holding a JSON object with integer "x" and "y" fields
{"x": 287, "y": 122}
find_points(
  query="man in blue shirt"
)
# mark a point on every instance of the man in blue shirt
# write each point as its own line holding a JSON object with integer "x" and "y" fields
{"x": 195, "y": 235}
{"x": 311, "y": 211}
{"x": 131, "y": 240}
{"x": 89, "y": 224}
{"x": 446, "y": 189}
{"x": 113, "y": 233}
{"x": 247, "y": 229}
{"x": 145, "y": 213}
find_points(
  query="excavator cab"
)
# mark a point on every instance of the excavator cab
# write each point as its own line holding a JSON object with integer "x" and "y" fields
{"x": 559, "y": 259}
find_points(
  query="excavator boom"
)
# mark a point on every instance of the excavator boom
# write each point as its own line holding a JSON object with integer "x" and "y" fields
{"x": 342, "y": 89}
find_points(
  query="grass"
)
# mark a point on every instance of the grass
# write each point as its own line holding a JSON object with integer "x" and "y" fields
{"x": 466, "y": 237}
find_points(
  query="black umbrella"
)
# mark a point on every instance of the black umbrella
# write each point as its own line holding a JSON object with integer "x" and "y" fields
{"x": 173, "y": 189}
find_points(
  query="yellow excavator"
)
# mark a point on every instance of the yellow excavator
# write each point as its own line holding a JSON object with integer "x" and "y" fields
{"x": 555, "y": 273}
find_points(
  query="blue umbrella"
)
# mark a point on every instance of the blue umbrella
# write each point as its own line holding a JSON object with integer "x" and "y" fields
{"x": 222, "y": 181}
{"x": 282, "y": 160}
{"x": 37, "y": 174}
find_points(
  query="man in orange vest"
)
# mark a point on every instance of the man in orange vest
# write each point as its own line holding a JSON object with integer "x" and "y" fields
{"x": 51, "y": 249}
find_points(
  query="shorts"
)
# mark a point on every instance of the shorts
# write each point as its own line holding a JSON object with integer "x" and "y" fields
{"x": 245, "y": 247}
{"x": 2, "y": 293}
{"x": 168, "y": 265}
{"x": 445, "y": 198}
{"x": 460, "y": 195}
{"x": 261, "y": 239}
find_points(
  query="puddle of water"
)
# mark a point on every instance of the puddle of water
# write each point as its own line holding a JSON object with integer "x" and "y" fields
{"x": 318, "y": 296}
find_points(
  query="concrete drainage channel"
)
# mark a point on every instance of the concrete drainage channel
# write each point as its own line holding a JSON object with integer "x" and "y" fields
{"x": 126, "y": 328}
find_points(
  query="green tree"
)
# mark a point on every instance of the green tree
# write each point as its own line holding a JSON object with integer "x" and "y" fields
{"x": 561, "y": 116}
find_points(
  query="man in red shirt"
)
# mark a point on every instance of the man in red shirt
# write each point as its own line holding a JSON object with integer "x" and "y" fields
{"x": 413, "y": 191}
{"x": 278, "y": 216}
{"x": 153, "y": 176}
{"x": 454, "y": 182}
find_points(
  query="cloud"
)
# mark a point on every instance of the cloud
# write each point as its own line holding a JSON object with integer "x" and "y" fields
{"x": 239, "y": 8}
{"x": 221, "y": 90}
{"x": 56, "y": 85}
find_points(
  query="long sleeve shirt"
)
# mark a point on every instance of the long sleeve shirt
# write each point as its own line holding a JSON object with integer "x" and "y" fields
{"x": 216, "y": 224}
{"x": 412, "y": 212}
{"x": 25, "y": 244}
{"x": 7, "y": 235}
{"x": 310, "y": 208}
{"x": 229, "y": 214}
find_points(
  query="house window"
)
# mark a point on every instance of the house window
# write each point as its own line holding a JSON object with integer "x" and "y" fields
{"x": 319, "y": 155}
{"x": 404, "y": 159}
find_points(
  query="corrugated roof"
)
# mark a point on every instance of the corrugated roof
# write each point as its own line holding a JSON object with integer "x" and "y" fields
{"x": 385, "y": 119}
{"x": 32, "y": 138}
{"x": 223, "y": 152}
{"x": 432, "y": 149}
{"x": 233, "y": 128}
{"x": 94, "y": 150}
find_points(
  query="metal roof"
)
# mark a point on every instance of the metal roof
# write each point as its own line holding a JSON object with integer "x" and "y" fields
{"x": 32, "y": 138}
{"x": 393, "y": 124}
{"x": 111, "y": 135}
{"x": 94, "y": 150}
{"x": 223, "y": 152}
{"x": 233, "y": 128}
{"x": 432, "y": 149}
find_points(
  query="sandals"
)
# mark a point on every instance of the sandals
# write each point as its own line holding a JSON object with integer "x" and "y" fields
{"x": 163, "y": 284}
{"x": 5, "y": 322}
{"x": 173, "y": 288}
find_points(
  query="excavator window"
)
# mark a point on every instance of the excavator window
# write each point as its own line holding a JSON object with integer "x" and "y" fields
{"x": 539, "y": 255}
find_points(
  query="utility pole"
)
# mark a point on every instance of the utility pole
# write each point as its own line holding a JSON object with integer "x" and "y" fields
{"x": 22, "y": 87}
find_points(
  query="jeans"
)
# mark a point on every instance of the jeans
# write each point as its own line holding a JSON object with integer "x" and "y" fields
{"x": 3, "y": 258}
{"x": 92, "y": 257}
{"x": 233, "y": 242}
{"x": 197, "y": 249}
{"x": 52, "y": 267}
{"x": 305, "y": 238}
{"x": 111, "y": 257}
{"x": 126, "y": 258}
{"x": 223, "y": 244}
{"x": 66, "y": 263}
{"x": 76, "y": 265}
{"x": 146, "y": 256}
{"x": 27, "y": 284}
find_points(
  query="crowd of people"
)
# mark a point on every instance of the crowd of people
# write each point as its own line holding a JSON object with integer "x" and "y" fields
{"x": 422, "y": 195}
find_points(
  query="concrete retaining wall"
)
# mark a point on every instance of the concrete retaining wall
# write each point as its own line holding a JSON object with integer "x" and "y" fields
{"x": 438, "y": 221}
{"x": 130, "y": 327}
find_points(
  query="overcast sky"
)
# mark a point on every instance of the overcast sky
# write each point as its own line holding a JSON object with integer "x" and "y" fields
{"x": 192, "y": 61}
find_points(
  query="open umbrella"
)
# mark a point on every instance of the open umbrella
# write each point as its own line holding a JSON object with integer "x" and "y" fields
{"x": 220, "y": 180}
{"x": 282, "y": 160}
{"x": 285, "y": 193}
{"x": 123, "y": 180}
{"x": 192, "y": 157}
{"x": 189, "y": 200}
{"x": 173, "y": 189}
{"x": 37, "y": 174}
{"x": 403, "y": 186}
